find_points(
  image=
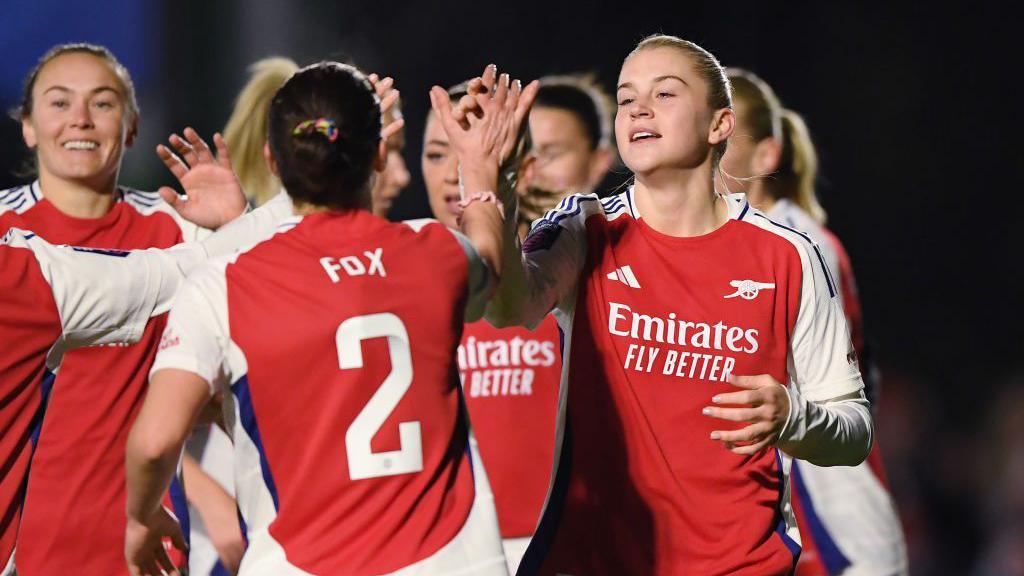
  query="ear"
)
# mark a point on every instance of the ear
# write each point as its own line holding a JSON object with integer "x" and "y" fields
{"x": 28, "y": 133}
{"x": 527, "y": 172}
{"x": 133, "y": 132}
{"x": 271, "y": 163}
{"x": 600, "y": 164}
{"x": 722, "y": 125}
{"x": 767, "y": 155}
{"x": 381, "y": 159}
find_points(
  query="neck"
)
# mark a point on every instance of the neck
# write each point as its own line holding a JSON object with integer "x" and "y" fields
{"x": 759, "y": 198}
{"x": 78, "y": 199}
{"x": 681, "y": 203}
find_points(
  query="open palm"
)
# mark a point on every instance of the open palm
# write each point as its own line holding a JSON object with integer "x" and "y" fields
{"x": 213, "y": 195}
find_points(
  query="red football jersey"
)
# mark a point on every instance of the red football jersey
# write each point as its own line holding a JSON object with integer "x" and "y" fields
{"x": 654, "y": 326}
{"x": 77, "y": 482}
{"x": 510, "y": 378}
{"x": 334, "y": 342}
{"x": 93, "y": 298}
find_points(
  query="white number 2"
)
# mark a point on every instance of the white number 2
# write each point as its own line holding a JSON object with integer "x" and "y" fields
{"x": 362, "y": 461}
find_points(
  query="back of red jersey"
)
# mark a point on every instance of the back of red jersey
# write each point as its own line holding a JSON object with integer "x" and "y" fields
{"x": 29, "y": 325}
{"x": 510, "y": 378}
{"x": 351, "y": 442}
{"x": 76, "y": 483}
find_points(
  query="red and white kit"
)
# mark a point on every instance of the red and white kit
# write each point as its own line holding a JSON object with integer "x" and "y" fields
{"x": 56, "y": 298}
{"x": 77, "y": 482}
{"x": 334, "y": 344}
{"x": 848, "y": 520}
{"x": 510, "y": 378}
{"x": 654, "y": 324}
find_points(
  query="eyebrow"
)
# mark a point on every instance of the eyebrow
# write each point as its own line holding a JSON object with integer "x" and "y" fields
{"x": 656, "y": 80}
{"x": 94, "y": 90}
{"x": 438, "y": 143}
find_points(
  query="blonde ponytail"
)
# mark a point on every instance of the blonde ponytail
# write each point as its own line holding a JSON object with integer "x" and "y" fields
{"x": 246, "y": 130}
{"x": 798, "y": 167}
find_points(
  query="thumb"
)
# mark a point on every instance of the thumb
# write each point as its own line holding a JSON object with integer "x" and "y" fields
{"x": 170, "y": 196}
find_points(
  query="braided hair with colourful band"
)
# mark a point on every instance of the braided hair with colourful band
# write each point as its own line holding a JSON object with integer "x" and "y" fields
{"x": 324, "y": 126}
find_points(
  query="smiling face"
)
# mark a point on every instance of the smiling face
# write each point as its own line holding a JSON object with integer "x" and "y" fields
{"x": 440, "y": 173}
{"x": 663, "y": 119}
{"x": 78, "y": 125}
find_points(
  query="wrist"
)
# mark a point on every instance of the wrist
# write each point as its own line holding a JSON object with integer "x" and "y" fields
{"x": 477, "y": 177}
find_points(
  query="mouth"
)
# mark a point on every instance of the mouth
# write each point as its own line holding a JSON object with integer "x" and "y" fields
{"x": 642, "y": 135}
{"x": 452, "y": 202}
{"x": 80, "y": 145}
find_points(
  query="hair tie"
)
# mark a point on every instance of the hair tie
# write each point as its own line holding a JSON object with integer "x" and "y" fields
{"x": 325, "y": 126}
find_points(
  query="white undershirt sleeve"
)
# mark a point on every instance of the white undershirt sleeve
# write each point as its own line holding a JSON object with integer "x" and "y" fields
{"x": 196, "y": 338}
{"x": 830, "y": 420}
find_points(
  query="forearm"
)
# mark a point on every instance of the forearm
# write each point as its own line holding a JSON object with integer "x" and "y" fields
{"x": 149, "y": 467}
{"x": 837, "y": 432}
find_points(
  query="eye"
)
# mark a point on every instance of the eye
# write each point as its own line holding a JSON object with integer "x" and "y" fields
{"x": 664, "y": 95}
{"x": 104, "y": 105}
{"x": 625, "y": 101}
{"x": 60, "y": 103}
{"x": 434, "y": 157}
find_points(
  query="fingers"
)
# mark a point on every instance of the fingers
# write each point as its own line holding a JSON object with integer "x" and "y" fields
{"x": 489, "y": 77}
{"x": 442, "y": 105}
{"x": 751, "y": 382}
{"x": 170, "y": 196}
{"x": 173, "y": 163}
{"x": 388, "y": 100}
{"x": 392, "y": 129}
{"x": 750, "y": 448}
{"x": 525, "y": 100}
{"x": 199, "y": 145}
{"x": 223, "y": 154}
{"x": 184, "y": 149}
{"x": 164, "y": 561}
{"x": 735, "y": 414}
{"x": 753, "y": 433}
{"x": 747, "y": 397}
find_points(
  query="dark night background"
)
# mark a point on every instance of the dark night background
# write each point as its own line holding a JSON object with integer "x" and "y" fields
{"x": 913, "y": 108}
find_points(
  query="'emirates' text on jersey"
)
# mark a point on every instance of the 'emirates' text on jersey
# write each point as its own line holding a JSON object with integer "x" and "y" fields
{"x": 334, "y": 342}
{"x": 510, "y": 378}
{"x": 654, "y": 324}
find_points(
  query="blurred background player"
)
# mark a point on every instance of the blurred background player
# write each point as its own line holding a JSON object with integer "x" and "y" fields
{"x": 570, "y": 127}
{"x": 375, "y": 360}
{"x": 79, "y": 115}
{"x": 656, "y": 290}
{"x": 847, "y": 518}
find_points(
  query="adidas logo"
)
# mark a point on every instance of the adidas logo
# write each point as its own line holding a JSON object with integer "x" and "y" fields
{"x": 625, "y": 275}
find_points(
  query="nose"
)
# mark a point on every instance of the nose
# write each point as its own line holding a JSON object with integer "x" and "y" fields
{"x": 81, "y": 116}
{"x": 451, "y": 169}
{"x": 639, "y": 108}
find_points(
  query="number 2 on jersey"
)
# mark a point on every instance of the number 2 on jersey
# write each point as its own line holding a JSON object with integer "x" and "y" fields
{"x": 362, "y": 461}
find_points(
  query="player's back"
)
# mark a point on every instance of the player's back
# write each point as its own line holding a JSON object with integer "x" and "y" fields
{"x": 347, "y": 326}
{"x": 29, "y": 325}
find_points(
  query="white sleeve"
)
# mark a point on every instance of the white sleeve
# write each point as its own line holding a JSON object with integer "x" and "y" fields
{"x": 478, "y": 280}
{"x": 552, "y": 256}
{"x": 250, "y": 228}
{"x": 837, "y": 432}
{"x": 830, "y": 420}
{"x": 107, "y": 296}
{"x": 196, "y": 338}
{"x": 822, "y": 361}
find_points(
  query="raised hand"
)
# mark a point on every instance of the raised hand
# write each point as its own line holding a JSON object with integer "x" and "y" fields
{"x": 143, "y": 546}
{"x": 765, "y": 407}
{"x": 388, "y": 95}
{"x": 491, "y": 120}
{"x": 213, "y": 195}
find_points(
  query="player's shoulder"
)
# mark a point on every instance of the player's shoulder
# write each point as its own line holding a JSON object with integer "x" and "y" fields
{"x": 145, "y": 203}
{"x": 575, "y": 210}
{"x": 19, "y": 199}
